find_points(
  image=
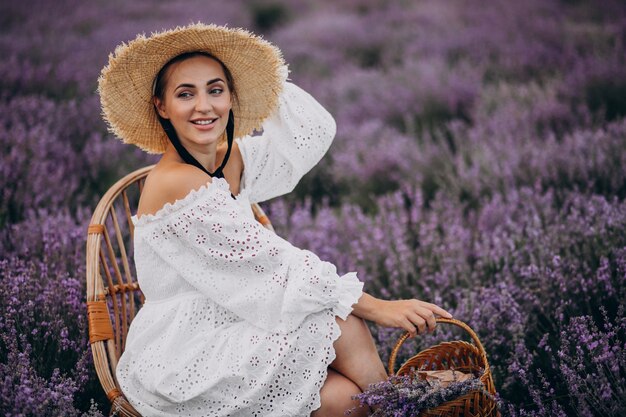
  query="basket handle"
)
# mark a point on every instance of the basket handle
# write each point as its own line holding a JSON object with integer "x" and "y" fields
{"x": 458, "y": 323}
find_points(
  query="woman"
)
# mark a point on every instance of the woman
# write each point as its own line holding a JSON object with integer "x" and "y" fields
{"x": 236, "y": 321}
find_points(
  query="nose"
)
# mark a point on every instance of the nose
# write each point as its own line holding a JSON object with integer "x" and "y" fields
{"x": 203, "y": 102}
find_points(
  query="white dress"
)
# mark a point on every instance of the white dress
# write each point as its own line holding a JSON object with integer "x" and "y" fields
{"x": 237, "y": 321}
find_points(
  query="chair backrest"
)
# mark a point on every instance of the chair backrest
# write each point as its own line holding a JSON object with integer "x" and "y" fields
{"x": 113, "y": 294}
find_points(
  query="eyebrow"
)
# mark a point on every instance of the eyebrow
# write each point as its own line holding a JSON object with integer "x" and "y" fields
{"x": 214, "y": 80}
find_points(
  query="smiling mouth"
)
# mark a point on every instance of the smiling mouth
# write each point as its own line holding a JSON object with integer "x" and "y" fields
{"x": 203, "y": 122}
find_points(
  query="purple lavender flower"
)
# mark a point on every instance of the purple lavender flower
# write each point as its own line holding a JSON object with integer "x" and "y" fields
{"x": 408, "y": 395}
{"x": 479, "y": 164}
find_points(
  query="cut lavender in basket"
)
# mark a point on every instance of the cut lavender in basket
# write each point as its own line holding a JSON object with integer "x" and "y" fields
{"x": 410, "y": 394}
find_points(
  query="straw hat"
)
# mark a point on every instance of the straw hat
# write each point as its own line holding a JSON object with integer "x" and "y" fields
{"x": 126, "y": 83}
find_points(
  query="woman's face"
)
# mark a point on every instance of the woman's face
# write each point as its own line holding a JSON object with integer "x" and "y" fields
{"x": 196, "y": 100}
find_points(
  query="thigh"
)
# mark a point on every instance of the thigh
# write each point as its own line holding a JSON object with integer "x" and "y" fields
{"x": 336, "y": 397}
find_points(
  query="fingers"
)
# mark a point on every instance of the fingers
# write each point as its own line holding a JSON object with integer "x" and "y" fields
{"x": 426, "y": 312}
{"x": 419, "y": 322}
{"x": 413, "y": 315}
{"x": 409, "y": 327}
{"x": 431, "y": 322}
{"x": 437, "y": 310}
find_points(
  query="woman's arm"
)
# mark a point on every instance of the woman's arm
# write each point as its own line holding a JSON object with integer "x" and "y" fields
{"x": 294, "y": 139}
{"x": 406, "y": 314}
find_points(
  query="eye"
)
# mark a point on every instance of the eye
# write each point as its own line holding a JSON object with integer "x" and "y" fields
{"x": 184, "y": 94}
{"x": 216, "y": 90}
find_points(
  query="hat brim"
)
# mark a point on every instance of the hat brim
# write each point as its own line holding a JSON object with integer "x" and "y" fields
{"x": 125, "y": 84}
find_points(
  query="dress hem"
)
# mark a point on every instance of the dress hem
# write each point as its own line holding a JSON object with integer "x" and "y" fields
{"x": 336, "y": 333}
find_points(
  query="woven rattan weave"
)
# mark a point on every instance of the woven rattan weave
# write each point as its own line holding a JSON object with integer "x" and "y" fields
{"x": 113, "y": 294}
{"x": 461, "y": 356}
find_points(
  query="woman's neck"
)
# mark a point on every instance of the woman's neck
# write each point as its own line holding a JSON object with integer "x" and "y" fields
{"x": 206, "y": 157}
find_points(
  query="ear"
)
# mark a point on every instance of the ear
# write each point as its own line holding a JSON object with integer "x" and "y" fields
{"x": 160, "y": 106}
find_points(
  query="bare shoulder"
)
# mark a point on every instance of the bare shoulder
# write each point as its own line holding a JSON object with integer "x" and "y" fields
{"x": 167, "y": 183}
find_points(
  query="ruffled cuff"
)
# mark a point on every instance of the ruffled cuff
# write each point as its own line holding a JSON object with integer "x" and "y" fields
{"x": 349, "y": 291}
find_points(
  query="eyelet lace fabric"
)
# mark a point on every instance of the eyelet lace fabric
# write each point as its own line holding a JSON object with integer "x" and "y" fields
{"x": 237, "y": 321}
{"x": 294, "y": 140}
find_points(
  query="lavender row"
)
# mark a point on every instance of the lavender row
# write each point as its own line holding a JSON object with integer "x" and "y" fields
{"x": 521, "y": 270}
{"x": 479, "y": 163}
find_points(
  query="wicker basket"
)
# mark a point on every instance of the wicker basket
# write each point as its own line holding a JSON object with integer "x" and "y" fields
{"x": 462, "y": 356}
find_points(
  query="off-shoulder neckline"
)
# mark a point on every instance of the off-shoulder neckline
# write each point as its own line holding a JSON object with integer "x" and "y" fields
{"x": 217, "y": 184}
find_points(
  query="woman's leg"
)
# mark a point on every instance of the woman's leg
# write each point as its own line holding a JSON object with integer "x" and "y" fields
{"x": 357, "y": 357}
{"x": 336, "y": 397}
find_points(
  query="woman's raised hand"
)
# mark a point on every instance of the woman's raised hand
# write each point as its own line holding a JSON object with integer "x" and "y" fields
{"x": 414, "y": 316}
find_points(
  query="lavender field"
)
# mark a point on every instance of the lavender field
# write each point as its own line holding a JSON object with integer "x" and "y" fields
{"x": 480, "y": 163}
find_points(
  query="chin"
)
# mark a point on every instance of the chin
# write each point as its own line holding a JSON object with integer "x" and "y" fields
{"x": 205, "y": 141}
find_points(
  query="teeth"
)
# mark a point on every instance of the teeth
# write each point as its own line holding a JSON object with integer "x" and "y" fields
{"x": 204, "y": 122}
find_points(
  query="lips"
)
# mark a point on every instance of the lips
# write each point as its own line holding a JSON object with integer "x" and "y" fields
{"x": 203, "y": 122}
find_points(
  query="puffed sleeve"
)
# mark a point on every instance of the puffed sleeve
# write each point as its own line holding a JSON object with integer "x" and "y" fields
{"x": 293, "y": 141}
{"x": 249, "y": 270}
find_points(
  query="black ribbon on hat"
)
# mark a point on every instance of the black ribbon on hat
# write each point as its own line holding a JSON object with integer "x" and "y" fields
{"x": 188, "y": 158}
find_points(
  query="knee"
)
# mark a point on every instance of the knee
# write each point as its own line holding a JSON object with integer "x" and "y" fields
{"x": 336, "y": 397}
{"x": 340, "y": 400}
{"x": 354, "y": 326}
{"x": 351, "y": 320}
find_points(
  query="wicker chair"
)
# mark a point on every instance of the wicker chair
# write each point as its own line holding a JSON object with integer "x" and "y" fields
{"x": 113, "y": 294}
